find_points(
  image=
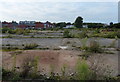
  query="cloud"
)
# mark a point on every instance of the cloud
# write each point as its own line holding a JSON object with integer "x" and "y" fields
{"x": 60, "y": 0}
{"x": 59, "y": 11}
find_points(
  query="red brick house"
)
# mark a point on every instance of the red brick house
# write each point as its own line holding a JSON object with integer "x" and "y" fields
{"x": 39, "y": 25}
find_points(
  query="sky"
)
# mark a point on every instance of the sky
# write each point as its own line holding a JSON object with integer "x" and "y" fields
{"x": 119, "y": 12}
{"x": 104, "y": 12}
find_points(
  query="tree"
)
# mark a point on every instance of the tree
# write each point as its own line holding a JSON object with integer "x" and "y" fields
{"x": 78, "y": 22}
{"x": 111, "y": 23}
{"x": 68, "y": 23}
{"x": 61, "y": 24}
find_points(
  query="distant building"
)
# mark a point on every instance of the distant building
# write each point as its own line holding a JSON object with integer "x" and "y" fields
{"x": 12, "y": 24}
{"x": 27, "y": 24}
{"x": 36, "y": 25}
{"x": 39, "y": 25}
{"x": 69, "y": 26}
{"x": 48, "y": 25}
{"x": 85, "y": 26}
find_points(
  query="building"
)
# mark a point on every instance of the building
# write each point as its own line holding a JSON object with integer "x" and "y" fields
{"x": 39, "y": 25}
{"x": 85, "y": 26}
{"x": 48, "y": 25}
{"x": 69, "y": 26}
{"x": 12, "y": 24}
{"x": 27, "y": 25}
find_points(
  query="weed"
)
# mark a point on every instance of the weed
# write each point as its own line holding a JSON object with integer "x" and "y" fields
{"x": 84, "y": 43}
{"x": 112, "y": 45}
{"x": 27, "y": 66}
{"x": 85, "y": 55}
{"x": 83, "y": 34}
{"x": 98, "y": 68}
{"x": 67, "y": 34}
{"x": 94, "y": 47}
{"x": 63, "y": 70}
{"x": 35, "y": 66}
{"x": 82, "y": 69}
{"x": 30, "y": 46}
{"x": 9, "y": 36}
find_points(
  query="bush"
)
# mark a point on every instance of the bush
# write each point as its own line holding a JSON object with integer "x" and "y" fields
{"x": 15, "y": 31}
{"x": 112, "y": 35}
{"x": 84, "y": 43}
{"x": 10, "y": 75}
{"x": 30, "y": 46}
{"x": 8, "y": 36}
{"x": 67, "y": 34}
{"x": 83, "y": 34}
{"x": 8, "y": 30}
{"x": 94, "y": 47}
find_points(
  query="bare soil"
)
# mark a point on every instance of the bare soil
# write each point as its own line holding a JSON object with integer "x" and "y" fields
{"x": 48, "y": 59}
{"x": 55, "y": 60}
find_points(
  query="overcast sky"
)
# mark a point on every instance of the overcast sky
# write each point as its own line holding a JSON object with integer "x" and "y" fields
{"x": 104, "y": 12}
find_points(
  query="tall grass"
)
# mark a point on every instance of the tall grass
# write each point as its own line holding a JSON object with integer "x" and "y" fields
{"x": 84, "y": 43}
{"x": 35, "y": 66}
{"x": 82, "y": 70}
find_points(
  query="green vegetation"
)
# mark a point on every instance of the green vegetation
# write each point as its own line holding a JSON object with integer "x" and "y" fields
{"x": 67, "y": 34}
{"x": 105, "y": 33}
{"x": 15, "y": 31}
{"x": 30, "y": 72}
{"x": 83, "y": 72}
{"x": 30, "y": 46}
{"x": 94, "y": 47}
{"x": 84, "y": 43}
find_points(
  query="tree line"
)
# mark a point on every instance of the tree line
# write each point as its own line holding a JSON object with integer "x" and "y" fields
{"x": 79, "y": 24}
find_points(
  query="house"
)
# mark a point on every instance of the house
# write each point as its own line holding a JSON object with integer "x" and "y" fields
{"x": 26, "y": 24}
{"x": 48, "y": 25}
{"x": 39, "y": 25}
